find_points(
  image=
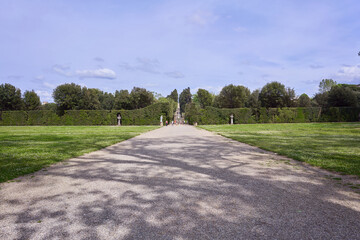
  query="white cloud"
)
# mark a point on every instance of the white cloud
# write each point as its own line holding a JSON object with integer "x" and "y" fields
{"x": 44, "y": 95}
{"x": 40, "y": 77}
{"x": 49, "y": 85}
{"x": 126, "y": 66}
{"x": 97, "y": 73}
{"x": 148, "y": 65}
{"x": 175, "y": 74}
{"x": 202, "y": 18}
{"x": 349, "y": 72}
{"x": 99, "y": 59}
{"x": 62, "y": 70}
{"x": 316, "y": 66}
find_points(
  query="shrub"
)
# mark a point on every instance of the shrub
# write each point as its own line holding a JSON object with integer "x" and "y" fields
{"x": 145, "y": 116}
{"x": 212, "y": 115}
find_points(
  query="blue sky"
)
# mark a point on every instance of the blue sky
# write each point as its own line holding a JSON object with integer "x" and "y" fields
{"x": 162, "y": 45}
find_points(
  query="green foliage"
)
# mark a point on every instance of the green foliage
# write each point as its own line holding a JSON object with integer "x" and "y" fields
{"x": 342, "y": 97}
{"x": 333, "y": 146}
{"x": 107, "y": 100}
{"x": 15, "y": 118}
{"x": 27, "y": 149}
{"x": 204, "y": 97}
{"x": 326, "y": 84}
{"x": 145, "y": 116}
{"x": 321, "y": 99}
{"x": 122, "y": 100}
{"x": 89, "y": 99}
{"x": 273, "y": 95}
{"x": 49, "y": 106}
{"x": 253, "y": 100}
{"x": 304, "y": 100}
{"x": 192, "y": 111}
{"x": 141, "y": 98}
{"x": 185, "y": 98}
{"x": 42, "y": 117}
{"x": 212, "y": 115}
{"x": 174, "y": 95}
{"x": 10, "y": 98}
{"x": 290, "y": 97}
{"x": 67, "y": 96}
{"x": 31, "y": 100}
{"x": 233, "y": 96}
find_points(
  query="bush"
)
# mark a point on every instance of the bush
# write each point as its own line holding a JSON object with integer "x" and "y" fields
{"x": 145, "y": 116}
{"x": 212, "y": 115}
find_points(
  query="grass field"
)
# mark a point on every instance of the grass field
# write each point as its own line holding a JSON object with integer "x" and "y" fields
{"x": 27, "y": 149}
{"x": 332, "y": 146}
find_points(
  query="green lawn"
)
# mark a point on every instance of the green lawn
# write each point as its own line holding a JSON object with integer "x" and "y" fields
{"x": 332, "y": 146}
{"x": 27, "y": 149}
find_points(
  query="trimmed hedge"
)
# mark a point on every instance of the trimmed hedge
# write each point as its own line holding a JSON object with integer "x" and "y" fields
{"x": 146, "y": 116}
{"x": 211, "y": 115}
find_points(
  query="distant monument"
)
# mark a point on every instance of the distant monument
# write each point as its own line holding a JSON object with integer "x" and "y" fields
{"x": 177, "y": 116}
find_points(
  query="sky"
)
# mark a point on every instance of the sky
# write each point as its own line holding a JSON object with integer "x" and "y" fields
{"x": 162, "y": 45}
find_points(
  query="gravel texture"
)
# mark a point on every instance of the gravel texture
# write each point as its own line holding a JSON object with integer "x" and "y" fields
{"x": 178, "y": 182}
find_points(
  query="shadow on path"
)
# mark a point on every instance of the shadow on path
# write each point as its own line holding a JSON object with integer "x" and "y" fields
{"x": 178, "y": 183}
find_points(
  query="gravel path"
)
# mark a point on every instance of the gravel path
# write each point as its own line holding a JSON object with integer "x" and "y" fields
{"x": 178, "y": 183}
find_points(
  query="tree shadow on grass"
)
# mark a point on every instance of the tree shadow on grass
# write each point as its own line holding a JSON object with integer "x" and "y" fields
{"x": 203, "y": 190}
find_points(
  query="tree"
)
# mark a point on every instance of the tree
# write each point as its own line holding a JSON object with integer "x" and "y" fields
{"x": 321, "y": 99}
{"x": 326, "y": 84}
{"x": 89, "y": 99}
{"x": 204, "y": 97}
{"x": 290, "y": 98}
{"x": 304, "y": 100}
{"x": 185, "y": 98}
{"x": 342, "y": 97}
{"x": 253, "y": 100}
{"x": 106, "y": 99}
{"x": 10, "y": 97}
{"x": 67, "y": 96}
{"x": 141, "y": 98}
{"x": 31, "y": 100}
{"x": 233, "y": 96}
{"x": 273, "y": 95}
{"x": 122, "y": 100}
{"x": 49, "y": 106}
{"x": 174, "y": 95}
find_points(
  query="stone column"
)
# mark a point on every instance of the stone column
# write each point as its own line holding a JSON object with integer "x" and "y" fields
{"x": 161, "y": 121}
{"x": 231, "y": 119}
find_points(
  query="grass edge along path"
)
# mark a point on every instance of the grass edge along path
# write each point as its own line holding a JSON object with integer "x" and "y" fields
{"x": 331, "y": 146}
{"x": 27, "y": 149}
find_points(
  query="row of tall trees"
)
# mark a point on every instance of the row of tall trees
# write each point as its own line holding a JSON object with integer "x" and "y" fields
{"x": 74, "y": 97}
{"x": 11, "y": 98}
{"x": 71, "y": 96}
{"x": 274, "y": 95}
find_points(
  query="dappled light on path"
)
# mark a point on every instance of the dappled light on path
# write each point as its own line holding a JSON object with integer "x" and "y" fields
{"x": 178, "y": 183}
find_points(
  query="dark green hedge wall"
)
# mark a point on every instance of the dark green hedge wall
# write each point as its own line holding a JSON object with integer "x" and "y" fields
{"x": 211, "y": 115}
{"x": 145, "y": 116}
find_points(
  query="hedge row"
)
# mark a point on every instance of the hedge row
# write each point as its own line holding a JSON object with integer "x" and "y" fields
{"x": 211, "y": 115}
{"x": 146, "y": 116}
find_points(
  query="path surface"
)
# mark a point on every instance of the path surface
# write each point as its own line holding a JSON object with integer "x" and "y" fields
{"x": 178, "y": 183}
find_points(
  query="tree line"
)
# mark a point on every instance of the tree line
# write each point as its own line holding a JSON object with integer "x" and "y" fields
{"x": 274, "y": 95}
{"x": 71, "y": 96}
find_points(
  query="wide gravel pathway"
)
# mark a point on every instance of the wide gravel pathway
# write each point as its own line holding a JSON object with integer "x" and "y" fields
{"x": 178, "y": 182}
